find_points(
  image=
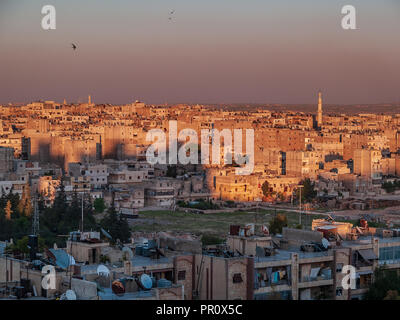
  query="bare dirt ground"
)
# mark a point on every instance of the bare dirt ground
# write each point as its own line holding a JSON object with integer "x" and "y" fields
{"x": 216, "y": 224}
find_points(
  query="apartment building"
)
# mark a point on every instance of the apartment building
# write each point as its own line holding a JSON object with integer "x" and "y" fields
{"x": 160, "y": 193}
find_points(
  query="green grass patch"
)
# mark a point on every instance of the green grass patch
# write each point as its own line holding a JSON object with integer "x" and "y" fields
{"x": 216, "y": 224}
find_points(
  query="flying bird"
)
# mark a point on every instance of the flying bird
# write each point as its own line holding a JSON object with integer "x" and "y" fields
{"x": 171, "y": 13}
{"x": 74, "y": 46}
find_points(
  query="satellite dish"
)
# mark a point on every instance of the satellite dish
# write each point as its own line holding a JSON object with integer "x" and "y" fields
{"x": 146, "y": 281}
{"x": 105, "y": 233}
{"x": 63, "y": 297}
{"x": 118, "y": 287}
{"x": 102, "y": 270}
{"x": 265, "y": 230}
{"x": 128, "y": 251}
{"x": 70, "y": 295}
{"x": 62, "y": 259}
{"x": 71, "y": 260}
{"x": 325, "y": 243}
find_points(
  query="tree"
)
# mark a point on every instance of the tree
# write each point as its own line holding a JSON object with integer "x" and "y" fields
{"x": 99, "y": 205}
{"x": 60, "y": 202}
{"x": 385, "y": 282}
{"x": 88, "y": 213}
{"x": 75, "y": 209}
{"x": 59, "y": 218}
{"x": 308, "y": 193}
{"x": 8, "y": 210}
{"x": 21, "y": 246}
{"x": 116, "y": 226}
{"x": 277, "y": 224}
{"x": 266, "y": 189}
{"x": 21, "y": 227}
{"x": 14, "y": 199}
{"x": 25, "y": 204}
{"x": 5, "y": 225}
{"x": 124, "y": 230}
{"x": 392, "y": 295}
{"x": 389, "y": 187}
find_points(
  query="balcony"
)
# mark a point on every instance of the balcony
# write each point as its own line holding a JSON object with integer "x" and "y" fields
{"x": 320, "y": 281}
{"x": 317, "y": 277}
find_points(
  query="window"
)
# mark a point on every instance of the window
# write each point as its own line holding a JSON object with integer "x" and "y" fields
{"x": 237, "y": 278}
{"x": 182, "y": 275}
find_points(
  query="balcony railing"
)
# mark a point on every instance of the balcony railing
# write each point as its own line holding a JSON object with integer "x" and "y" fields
{"x": 319, "y": 278}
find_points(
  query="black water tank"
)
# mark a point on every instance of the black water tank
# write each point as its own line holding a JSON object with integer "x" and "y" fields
{"x": 19, "y": 292}
{"x": 26, "y": 283}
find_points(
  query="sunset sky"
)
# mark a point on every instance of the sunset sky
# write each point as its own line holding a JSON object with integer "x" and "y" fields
{"x": 213, "y": 51}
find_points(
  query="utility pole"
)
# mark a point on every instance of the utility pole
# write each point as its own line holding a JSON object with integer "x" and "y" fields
{"x": 300, "y": 187}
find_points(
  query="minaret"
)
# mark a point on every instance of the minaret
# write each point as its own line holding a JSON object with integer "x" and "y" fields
{"x": 319, "y": 118}
{"x": 89, "y": 100}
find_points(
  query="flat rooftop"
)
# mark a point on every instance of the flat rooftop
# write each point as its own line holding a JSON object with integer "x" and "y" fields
{"x": 141, "y": 261}
{"x": 286, "y": 255}
{"x": 137, "y": 295}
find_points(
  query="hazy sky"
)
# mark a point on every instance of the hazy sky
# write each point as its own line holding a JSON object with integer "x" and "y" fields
{"x": 214, "y": 51}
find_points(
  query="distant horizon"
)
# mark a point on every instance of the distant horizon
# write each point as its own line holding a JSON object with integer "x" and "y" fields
{"x": 216, "y": 52}
{"x": 225, "y": 104}
{"x": 201, "y": 103}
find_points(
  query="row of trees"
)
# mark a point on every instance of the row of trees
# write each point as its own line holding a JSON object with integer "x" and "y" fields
{"x": 386, "y": 285}
{"x": 59, "y": 219}
{"x": 116, "y": 226}
{"x": 15, "y": 214}
{"x": 391, "y": 187}
{"x": 63, "y": 216}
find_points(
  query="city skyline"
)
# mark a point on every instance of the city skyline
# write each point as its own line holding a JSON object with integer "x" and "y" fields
{"x": 258, "y": 53}
{"x": 167, "y": 150}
